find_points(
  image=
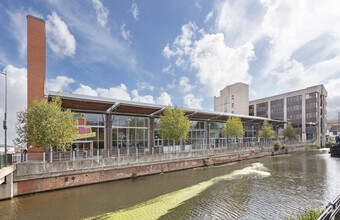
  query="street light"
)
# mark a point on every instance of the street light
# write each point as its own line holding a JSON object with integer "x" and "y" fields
{"x": 5, "y": 116}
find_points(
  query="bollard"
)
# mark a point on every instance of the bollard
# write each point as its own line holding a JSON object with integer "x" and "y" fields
{"x": 128, "y": 151}
{"x": 74, "y": 156}
{"x": 97, "y": 154}
{"x": 152, "y": 151}
{"x": 136, "y": 151}
{"x": 59, "y": 156}
{"x": 118, "y": 152}
{"x": 43, "y": 157}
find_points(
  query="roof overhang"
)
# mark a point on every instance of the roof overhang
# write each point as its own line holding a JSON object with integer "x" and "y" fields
{"x": 115, "y": 106}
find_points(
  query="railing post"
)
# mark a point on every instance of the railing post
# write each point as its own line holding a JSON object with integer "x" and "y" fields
{"x": 73, "y": 156}
{"x": 118, "y": 153}
{"x": 43, "y": 157}
{"x": 128, "y": 151}
{"x": 97, "y": 154}
{"x": 152, "y": 151}
{"x": 136, "y": 151}
{"x": 59, "y": 156}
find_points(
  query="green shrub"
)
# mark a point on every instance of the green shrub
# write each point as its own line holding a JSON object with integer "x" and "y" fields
{"x": 277, "y": 145}
{"x": 206, "y": 163}
{"x": 134, "y": 175}
{"x": 284, "y": 146}
{"x": 308, "y": 214}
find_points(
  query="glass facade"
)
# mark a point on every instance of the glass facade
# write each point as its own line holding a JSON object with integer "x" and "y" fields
{"x": 294, "y": 112}
{"x": 129, "y": 131}
{"x": 216, "y": 137}
{"x": 262, "y": 109}
{"x": 89, "y": 127}
{"x": 276, "y": 109}
{"x": 312, "y": 113}
{"x": 251, "y": 110}
{"x": 196, "y": 137}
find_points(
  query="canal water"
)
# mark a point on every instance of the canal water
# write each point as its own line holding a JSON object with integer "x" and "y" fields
{"x": 265, "y": 188}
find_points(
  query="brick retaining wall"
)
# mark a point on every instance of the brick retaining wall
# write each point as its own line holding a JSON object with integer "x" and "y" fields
{"x": 45, "y": 181}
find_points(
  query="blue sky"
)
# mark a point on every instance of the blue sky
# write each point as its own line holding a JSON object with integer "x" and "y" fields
{"x": 178, "y": 52}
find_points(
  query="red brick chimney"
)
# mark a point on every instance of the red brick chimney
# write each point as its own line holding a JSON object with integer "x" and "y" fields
{"x": 36, "y": 59}
{"x": 36, "y": 68}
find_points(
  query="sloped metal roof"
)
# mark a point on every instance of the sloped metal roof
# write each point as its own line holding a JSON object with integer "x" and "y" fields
{"x": 109, "y": 105}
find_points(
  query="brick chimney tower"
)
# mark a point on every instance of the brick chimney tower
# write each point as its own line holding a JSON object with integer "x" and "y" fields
{"x": 36, "y": 59}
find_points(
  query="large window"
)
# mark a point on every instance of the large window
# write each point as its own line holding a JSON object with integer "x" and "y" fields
{"x": 262, "y": 109}
{"x": 276, "y": 109}
{"x": 294, "y": 112}
{"x": 89, "y": 127}
{"x": 196, "y": 137}
{"x": 216, "y": 137}
{"x": 129, "y": 131}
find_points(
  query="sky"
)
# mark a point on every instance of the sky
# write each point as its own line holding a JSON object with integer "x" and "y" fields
{"x": 173, "y": 52}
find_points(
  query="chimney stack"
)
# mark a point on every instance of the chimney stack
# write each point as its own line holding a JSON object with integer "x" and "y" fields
{"x": 36, "y": 59}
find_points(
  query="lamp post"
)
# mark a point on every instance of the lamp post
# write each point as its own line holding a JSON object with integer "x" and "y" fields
{"x": 5, "y": 116}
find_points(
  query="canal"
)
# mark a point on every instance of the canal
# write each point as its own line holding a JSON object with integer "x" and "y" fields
{"x": 265, "y": 188}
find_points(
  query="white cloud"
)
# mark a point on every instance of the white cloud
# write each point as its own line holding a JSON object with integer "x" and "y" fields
{"x": 59, "y": 38}
{"x": 101, "y": 44}
{"x": 164, "y": 99}
{"x": 138, "y": 98}
{"x": 60, "y": 83}
{"x": 144, "y": 85}
{"x": 18, "y": 27}
{"x": 215, "y": 63}
{"x": 172, "y": 84}
{"x": 333, "y": 99}
{"x": 193, "y": 102}
{"x": 167, "y": 69}
{"x": 291, "y": 26}
{"x": 184, "y": 85}
{"x": 17, "y": 98}
{"x": 86, "y": 90}
{"x": 125, "y": 33}
{"x": 239, "y": 21}
{"x": 134, "y": 11}
{"x": 101, "y": 12}
{"x": 209, "y": 16}
{"x": 118, "y": 92}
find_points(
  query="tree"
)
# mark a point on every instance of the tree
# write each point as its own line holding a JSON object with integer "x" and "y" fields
{"x": 233, "y": 127}
{"x": 267, "y": 131}
{"x": 45, "y": 125}
{"x": 290, "y": 132}
{"x": 173, "y": 124}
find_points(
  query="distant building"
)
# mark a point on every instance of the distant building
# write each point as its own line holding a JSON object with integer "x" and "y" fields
{"x": 305, "y": 108}
{"x": 233, "y": 99}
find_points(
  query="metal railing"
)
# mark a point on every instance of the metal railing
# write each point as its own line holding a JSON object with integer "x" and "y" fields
{"x": 332, "y": 210}
{"x": 205, "y": 149}
{"x": 2, "y": 160}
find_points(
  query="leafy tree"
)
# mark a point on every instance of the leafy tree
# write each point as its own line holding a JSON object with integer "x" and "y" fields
{"x": 267, "y": 131}
{"x": 233, "y": 127}
{"x": 290, "y": 132}
{"x": 173, "y": 124}
{"x": 45, "y": 125}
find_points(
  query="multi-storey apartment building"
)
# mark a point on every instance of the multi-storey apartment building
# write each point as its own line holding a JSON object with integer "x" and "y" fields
{"x": 305, "y": 109}
{"x": 233, "y": 99}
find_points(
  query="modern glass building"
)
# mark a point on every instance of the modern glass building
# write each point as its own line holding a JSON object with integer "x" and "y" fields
{"x": 305, "y": 109}
{"x": 103, "y": 123}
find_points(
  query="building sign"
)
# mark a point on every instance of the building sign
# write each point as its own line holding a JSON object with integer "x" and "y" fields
{"x": 80, "y": 131}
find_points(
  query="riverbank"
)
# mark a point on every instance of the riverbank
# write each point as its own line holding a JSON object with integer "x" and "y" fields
{"x": 40, "y": 177}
